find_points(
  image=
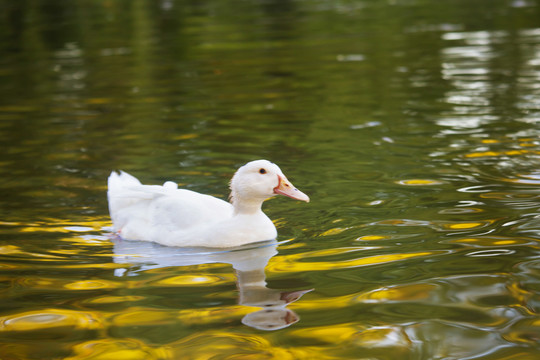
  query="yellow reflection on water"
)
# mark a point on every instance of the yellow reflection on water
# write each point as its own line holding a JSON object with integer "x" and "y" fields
{"x": 91, "y": 285}
{"x": 67, "y": 226}
{"x": 328, "y": 334}
{"x": 398, "y": 293}
{"x": 142, "y": 316}
{"x": 464, "y": 225}
{"x": 520, "y": 294}
{"x": 110, "y": 266}
{"x": 364, "y": 341}
{"x": 491, "y": 241}
{"x": 16, "y": 250}
{"x": 333, "y": 231}
{"x": 185, "y": 136}
{"x": 419, "y": 182}
{"x": 499, "y": 153}
{"x": 373, "y": 237}
{"x": 504, "y": 196}
{"x": 198, "y": 279}
{"x": 223, "y": 344}
{"x": 114, "y": 299}
{"x": 217, "y": 315}
{"x": 335, "y": 302}
{"x": 118, "y": 349}
{"x": 490, "y": 141}
{"x": 293, "y": 263}
{"x": 383, "y": 337}
{"x": 50, "y": 318}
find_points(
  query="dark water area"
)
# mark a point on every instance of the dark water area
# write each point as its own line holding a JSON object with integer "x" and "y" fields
{"x": 412, "y": 125}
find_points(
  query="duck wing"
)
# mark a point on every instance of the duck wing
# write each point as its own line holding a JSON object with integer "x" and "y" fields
{"x": 139, "y": 212}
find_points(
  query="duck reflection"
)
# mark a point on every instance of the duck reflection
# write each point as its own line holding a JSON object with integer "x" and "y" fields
{"x": 249, "y": 263}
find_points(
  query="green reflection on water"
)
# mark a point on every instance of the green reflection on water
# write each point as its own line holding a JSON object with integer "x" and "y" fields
{"x": 412, "y": 125}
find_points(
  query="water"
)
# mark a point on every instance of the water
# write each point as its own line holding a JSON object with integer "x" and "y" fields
{"x": 412, "y": 125}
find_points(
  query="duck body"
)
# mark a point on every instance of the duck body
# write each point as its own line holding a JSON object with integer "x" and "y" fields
{"x": 179, "y": 217}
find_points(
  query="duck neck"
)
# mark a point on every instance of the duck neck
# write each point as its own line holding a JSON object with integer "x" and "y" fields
{"x": 245, "y": 206}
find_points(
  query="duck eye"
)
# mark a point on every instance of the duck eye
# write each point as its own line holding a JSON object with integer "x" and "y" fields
{"x": 262, "y": 171}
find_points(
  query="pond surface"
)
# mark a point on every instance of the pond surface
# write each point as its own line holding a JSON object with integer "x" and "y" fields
{"x": 412, "y": 125}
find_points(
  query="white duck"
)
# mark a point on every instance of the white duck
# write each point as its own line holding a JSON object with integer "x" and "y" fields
{"x": 178, "y": 217}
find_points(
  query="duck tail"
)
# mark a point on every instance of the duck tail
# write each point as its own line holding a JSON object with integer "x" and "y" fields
{"x": 120, "y": 193}
{"x": 120, "y": 180}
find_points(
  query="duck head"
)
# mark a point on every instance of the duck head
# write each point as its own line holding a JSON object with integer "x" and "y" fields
{"x": 261, "y": 179}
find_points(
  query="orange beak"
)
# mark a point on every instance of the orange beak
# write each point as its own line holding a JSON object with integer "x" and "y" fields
{"x": 286, "y": 188}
